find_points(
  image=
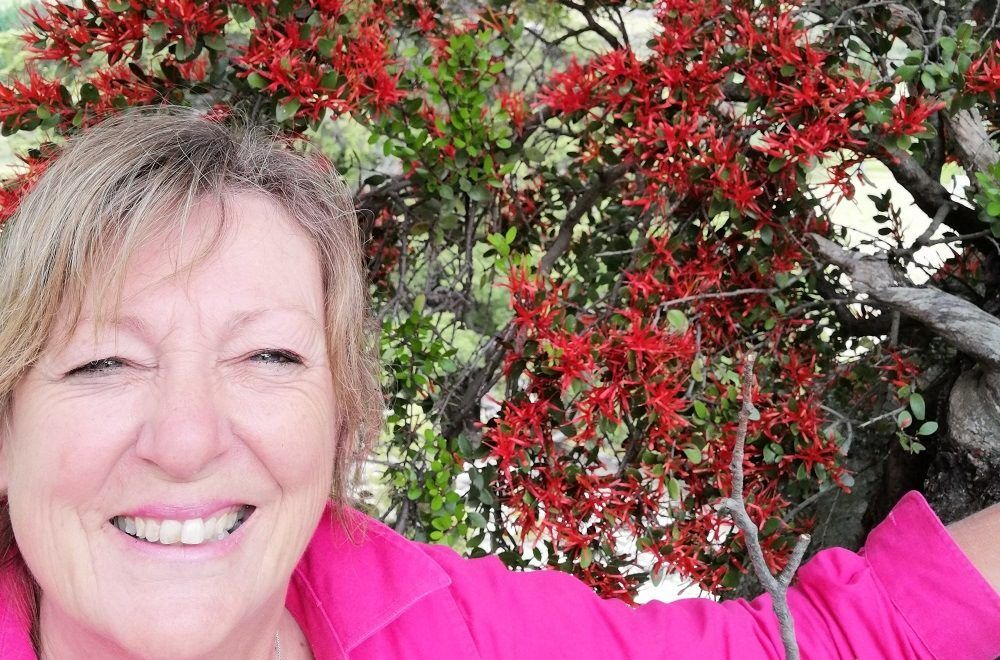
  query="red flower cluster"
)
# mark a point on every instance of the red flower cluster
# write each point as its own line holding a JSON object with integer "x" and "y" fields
{"x": 336, "y": 63}
{"x": 571, "y": 471}
{"x": 625, "y": 410}
{"x": 983, "y": 77}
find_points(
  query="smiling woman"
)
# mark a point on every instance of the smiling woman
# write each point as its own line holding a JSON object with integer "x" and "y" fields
{"x": 188, "y": 385}
{"x": 173, "y": 405}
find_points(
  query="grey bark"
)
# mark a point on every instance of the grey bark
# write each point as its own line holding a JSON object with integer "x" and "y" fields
{"x": 968, "y": 453}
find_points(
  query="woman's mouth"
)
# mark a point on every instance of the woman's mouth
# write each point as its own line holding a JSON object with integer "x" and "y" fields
{"x": 192, "y": 531}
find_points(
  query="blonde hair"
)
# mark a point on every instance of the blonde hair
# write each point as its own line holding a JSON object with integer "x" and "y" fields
{"x": 134, "y": 177}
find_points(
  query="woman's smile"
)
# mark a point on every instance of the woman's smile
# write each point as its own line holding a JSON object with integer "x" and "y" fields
{"x": 187, "y": 531}
{"x": 187, "y": 540}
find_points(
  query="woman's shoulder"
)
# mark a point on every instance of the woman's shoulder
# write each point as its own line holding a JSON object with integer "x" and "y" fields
{"x": 15, "y": 629}
{"x": 909, "y": 589}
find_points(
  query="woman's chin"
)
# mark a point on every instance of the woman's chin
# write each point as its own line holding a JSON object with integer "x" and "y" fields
{"x": 187, "y": 632}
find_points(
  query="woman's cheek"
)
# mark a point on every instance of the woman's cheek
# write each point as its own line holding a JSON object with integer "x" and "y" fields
{"x": 289, "y": 425}
{"x": 76, "y": 427}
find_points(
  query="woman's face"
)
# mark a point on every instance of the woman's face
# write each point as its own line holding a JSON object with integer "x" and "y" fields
{"x": 208, "y": 399}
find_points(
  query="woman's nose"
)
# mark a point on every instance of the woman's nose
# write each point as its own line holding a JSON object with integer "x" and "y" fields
{"x": 186, "y": 433}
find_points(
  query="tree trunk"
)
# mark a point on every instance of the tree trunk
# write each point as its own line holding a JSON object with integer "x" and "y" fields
{"x": 965, "y": 475}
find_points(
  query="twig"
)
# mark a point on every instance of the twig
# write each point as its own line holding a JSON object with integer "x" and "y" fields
{"x": 986, "y": 233}
{"x": 924, "y": 238}
{"x": 735, "y": 504}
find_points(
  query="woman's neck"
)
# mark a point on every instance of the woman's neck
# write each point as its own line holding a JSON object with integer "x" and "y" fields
{"x": 63, "y": 638}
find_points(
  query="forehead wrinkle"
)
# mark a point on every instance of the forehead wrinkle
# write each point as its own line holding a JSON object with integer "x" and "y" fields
{"x": 248, "y": 317}
{"x": 129, "y": 323}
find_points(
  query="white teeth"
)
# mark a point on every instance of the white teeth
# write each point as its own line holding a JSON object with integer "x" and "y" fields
{"x": 194, "y": 531}
{"x": 211, "y": 528}
{"x": 153, "y": 531}
{"x": 170, "y": 532}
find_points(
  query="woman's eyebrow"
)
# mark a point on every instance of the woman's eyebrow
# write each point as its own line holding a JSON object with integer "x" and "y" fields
{"x": 132, "y": 324}
{"x": 247, "y": 317}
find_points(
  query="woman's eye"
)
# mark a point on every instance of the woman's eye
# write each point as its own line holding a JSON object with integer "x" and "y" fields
{"x": 276, "y": 357}
{"x": 97, "y": 366}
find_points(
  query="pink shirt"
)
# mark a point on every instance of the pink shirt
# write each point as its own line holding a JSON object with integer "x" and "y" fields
{"x": 909, "y": 593}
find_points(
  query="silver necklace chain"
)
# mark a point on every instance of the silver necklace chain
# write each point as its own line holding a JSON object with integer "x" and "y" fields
{"x": 277, "y": 646}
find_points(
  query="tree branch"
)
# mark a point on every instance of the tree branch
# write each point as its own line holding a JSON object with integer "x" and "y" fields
{"x": 599, "y": 29}
{"x": 735, "y": 504}
{"x": 972, "y": 144}
{"x": 928, "y": 194}
{"x": 970, "y": 329}
{"x": 590, "y": 196}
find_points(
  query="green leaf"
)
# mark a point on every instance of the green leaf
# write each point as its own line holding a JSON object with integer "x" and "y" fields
{"x": 476, "y": 519}
{"x": 256, "y": 80}
{"x": 917, "y": 405}
{"x": 904, "y": 419}
{"x": 732, "y": 577}
{"x": 183, "y": 52}
{"x": 693, "y": 454}
{"x": 947, "y": 46}
{"x": 240, "y": 13}
{"x": 674, "y": 488}
{"x": 927, "y": 428}
{"x": 156, "y": 32}
{"x": 700, "y": 409}
{"x": 915, "y": 56}
{"x": 286, "y": 111}
{"x": 325, "y": 45}
{"x": 677, "y": 320}
{"x": 698, "y": 371}
{"x": 964, "y": 31}
{"x": 993, "y": 208}
{"x": 876, "y": 114}
{"x": 907, "y": 72}
{"x": 964, "y": 62}
{"x": 89, "y": 93}
{"x": 927, "y": 80}
{"x": 330, "y": 80}
{"x": 216, "y": 42}
{"x": 766, "y": 235}
{"x": 586, "y": 557}
{"x": 770, "y": 526}
{"x": 118, "y": 6}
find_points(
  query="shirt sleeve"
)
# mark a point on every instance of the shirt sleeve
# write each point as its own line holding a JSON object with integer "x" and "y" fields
{"x": 909, "y": 593}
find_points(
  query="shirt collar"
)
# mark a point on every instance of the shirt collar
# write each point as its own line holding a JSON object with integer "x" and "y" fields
{"x": 356, "y": 577}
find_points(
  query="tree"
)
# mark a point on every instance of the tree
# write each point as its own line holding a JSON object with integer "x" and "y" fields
{"x": 650, "y": 186}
